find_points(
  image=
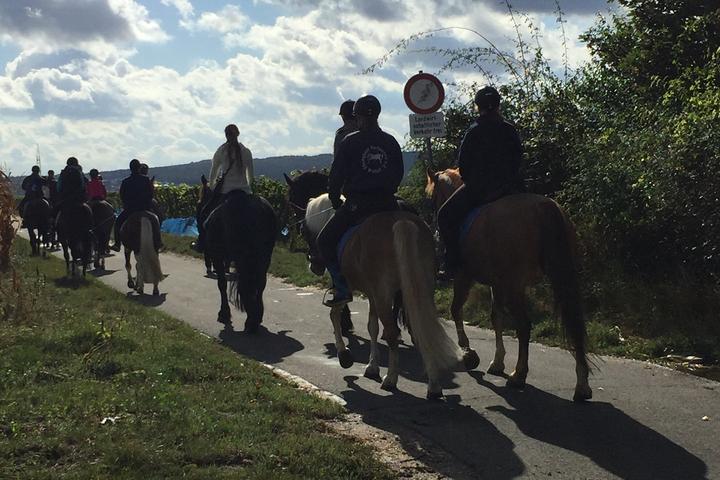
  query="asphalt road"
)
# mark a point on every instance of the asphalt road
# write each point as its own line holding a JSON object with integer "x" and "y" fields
{"x": 644, "y": 421}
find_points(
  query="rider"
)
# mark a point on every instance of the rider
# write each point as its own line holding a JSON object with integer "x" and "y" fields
{"x": 136, "y": 196}
{"x": 349, "y": 124}
{"x": 231, "y": 172}
{"x": 71, "y": 185}
{"x": 32, "y": 186}
{"x": 367, "y": 169}
{"x": 489, "y": 161}
{"x": 95, "y": 188}
{"x": 51, "y": 185}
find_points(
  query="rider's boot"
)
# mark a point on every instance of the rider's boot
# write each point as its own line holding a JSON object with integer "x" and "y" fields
{"x": 341, "y": 291}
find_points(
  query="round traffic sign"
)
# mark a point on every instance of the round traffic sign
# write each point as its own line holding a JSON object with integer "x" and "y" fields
{"x": 424, "y": 93}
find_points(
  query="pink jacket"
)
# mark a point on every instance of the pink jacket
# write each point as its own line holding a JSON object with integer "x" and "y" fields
{"x": 96, "y": 190}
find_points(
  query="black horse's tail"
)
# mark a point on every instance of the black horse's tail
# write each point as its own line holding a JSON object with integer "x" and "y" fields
{"x": 560, "y": 265}
{"x": 250, "y": 234}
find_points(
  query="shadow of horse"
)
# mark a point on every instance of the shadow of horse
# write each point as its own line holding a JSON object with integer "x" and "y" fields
{"x": 464, "y": 446}
{"x": 598, "y": 431}
{"x": 271, "y": 347}
{"x": 147, "y": 300}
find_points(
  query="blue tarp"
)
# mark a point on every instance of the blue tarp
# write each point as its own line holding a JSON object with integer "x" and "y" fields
{"x": 180, "y": 226}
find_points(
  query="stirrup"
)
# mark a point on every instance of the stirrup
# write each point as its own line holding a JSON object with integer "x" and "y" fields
{"x": 335, "y": 301}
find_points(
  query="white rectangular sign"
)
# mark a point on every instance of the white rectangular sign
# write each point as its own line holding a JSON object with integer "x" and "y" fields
{"x": 430, "y": 125}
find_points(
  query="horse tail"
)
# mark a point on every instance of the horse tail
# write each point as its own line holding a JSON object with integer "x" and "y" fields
{"x": 560, "y": 265}
{"x": 149, "y": 260}
{"x": 416, "y": 266}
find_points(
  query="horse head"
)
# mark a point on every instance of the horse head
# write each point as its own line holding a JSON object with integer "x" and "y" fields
{"x": 441, "y": 185}
{"x": 303, "y": 187}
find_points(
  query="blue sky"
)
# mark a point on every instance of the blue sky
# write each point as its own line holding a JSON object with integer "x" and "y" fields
{"x": 111, "y": 80}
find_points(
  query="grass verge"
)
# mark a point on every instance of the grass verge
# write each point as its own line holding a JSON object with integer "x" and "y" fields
{"x": 95, "y": 386}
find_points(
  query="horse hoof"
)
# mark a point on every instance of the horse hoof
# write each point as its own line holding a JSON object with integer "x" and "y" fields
{"x": 156, "y": 291}
{"x": 516, "y": 381}
{"x": 251, "y": 327}
{"x": 224, "y": 316}
{"x": 131, "y": 284}
{"x": 141, "y": 291}
{"x": 372, "y": 372}
{"x": 435, "y": 395}
{"x": 471, "y": 359}
{"x": 496, "y": 369}
{"x": 582, "y": 394}
{"x": 388, "y": 385}
{"x": 346, "y": 358}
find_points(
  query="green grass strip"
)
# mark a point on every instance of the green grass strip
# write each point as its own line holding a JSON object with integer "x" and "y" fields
{"x": 93, "y": 385}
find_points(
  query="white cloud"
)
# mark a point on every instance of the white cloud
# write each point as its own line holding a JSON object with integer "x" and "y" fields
{"x": 184, "y": 7}
{"x": 230, "y": 19}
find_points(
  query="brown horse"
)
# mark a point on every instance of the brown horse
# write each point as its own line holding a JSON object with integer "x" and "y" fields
{"x": 36, "y": 217}
{"x": 509, "y": 246}
{"x": 74, "y": 231}
{"x": 103, "y": 221}
{"x": 392, "y": 252}
{"x": 136, "y": 235}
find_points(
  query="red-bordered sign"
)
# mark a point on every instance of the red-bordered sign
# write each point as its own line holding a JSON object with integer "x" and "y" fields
{"x": 424, "y": 93}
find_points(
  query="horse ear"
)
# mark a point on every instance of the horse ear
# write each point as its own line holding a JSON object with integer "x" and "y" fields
{"x": 288, "y": 179}
{"x": 430, "y": 175}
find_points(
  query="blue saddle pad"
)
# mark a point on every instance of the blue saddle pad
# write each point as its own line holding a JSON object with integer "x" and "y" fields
{"x": 469, "y": 220}
{"x": 345, "y": 239}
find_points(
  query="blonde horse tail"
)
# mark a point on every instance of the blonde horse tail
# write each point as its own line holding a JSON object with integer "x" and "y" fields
{"x": 416, "y": 266}
{"x": 560, "y": 265}
{"x": 149, "y": 261}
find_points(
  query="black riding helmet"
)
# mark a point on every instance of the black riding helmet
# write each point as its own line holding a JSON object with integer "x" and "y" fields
{"x": 94, "y": 173}
{"x": 35, "y": 169}
{"x": 487, "y": 98}
{"x": 72, "y": 161}
{"x": 346, "y": 108}
{"x": 367, "y": 106}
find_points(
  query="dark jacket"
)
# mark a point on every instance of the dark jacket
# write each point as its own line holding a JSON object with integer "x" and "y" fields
{"x": 71, "y": 185}
{"x": 136, "y": 193}
{"x": 368, "y": 165}
{"x": 340, "y": 135}
{"x": 490, "y": 156}
{"x": 32, "y": 186}
{"x": 52, "y": 188}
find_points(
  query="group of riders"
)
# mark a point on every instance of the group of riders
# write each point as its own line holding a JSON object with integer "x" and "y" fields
{"x": 367, "y": 170}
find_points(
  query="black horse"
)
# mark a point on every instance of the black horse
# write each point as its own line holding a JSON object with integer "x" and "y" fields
{"x": 74, "y": 230}
{"x": 36, "y": 217}
{"x": 204, "y": 198}
{"x": 103, "y": 221}
{"x": 301, "y": 189}
{"x": 241, "y": 232}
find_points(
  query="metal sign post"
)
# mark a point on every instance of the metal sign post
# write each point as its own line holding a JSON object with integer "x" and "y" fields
{"x": 424, "y": 94}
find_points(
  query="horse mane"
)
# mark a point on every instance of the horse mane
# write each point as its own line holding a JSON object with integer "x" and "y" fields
{"x": 449, "y": 175}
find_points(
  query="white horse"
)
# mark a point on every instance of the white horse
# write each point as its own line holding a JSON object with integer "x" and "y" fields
{"x": 392, "y": 252}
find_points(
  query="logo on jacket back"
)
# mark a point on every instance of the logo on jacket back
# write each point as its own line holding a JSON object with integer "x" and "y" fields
{"x": 374, "y": 159}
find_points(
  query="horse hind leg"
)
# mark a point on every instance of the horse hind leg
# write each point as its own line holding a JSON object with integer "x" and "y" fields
{"x": 461, "y": 289}
{"x": 518, "y": 309}
{"x": 128, "y": 269}
{"x": 391, "y": 334}
{"x": 224, "y": 315}
{"x": 344, "y": 355}
{"x": 497, "y": 366}
{"x": 373, "y": 370}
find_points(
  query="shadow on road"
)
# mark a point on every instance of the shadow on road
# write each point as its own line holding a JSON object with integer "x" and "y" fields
{"x": 97, "y": 273}
{"x": 264, "y": 346}
{"x": 597, "y": 430}
{"x": 147, "y": 300}
{"x": 464, "y": 445}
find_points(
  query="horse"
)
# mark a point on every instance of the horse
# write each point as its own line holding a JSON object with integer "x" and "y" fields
{"x": 301, "y": 189}
{"x": 136, "y": 235}
{"x": 511, "y": 243}
{"x": 242, "y": 232}
{"x": 103, "y": 221}
{"x": 388, "y": 253}
{"x": 74, "y": 231}
{"x": 204, "y": 197}
{"x": 36, "y": 217}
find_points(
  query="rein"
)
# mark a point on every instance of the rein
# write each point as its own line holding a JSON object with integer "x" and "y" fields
{"x": 309, "y": 216}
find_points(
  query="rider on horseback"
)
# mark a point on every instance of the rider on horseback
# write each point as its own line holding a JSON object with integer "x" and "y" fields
{"x": 231, "y": 173}
{"x": 489, "y": 161}
{"x": 71, "y": 185}
{"x": 136, "y": 195}
{"x": 349, "y": 124}
{"x": 367, "y": 169}
{"x": 95, "y": 188}
{"x": 32, "y": 186}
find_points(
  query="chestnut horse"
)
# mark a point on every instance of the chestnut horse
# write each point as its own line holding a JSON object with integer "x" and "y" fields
{"x": 511, "y": 243}
{"x": 392, "y": 252}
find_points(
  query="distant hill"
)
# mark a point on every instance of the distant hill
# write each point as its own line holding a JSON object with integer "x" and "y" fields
{"x": 190, "y": 173}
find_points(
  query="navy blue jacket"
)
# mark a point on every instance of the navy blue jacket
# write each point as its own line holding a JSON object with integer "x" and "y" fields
{"x": 368, "y": 164}
{"x": 490, "y": 155}
{"x": 136, "y": 193}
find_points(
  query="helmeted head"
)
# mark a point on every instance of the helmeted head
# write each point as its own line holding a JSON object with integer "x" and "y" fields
{"x": 72, "y": 162}
{"x": 144, "y": 168}
{"x": 94, "y": 173}
{"x": 346, "y": 108}
{"x": 135, "y": 165}
{"x": 487, "y": 99}
{"x": 35, "y": 169}
{"x": 51, "y": 173}
{"x": 232, "y": 132}
{"x": 367, "y": 106}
